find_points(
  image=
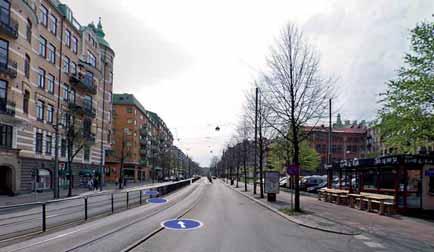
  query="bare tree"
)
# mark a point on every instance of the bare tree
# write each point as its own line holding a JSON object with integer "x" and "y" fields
{"x": 294, "y": 92}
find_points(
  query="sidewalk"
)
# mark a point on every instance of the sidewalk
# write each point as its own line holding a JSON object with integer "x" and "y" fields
{"x": 48, "y": 195}
{"x": 402, "y": 231}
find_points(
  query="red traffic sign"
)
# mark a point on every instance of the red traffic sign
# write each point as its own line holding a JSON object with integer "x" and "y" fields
{"x": 292, "y": 169}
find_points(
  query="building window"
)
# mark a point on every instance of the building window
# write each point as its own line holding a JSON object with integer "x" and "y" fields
{"x": 29, "y": 31}
{"x": 3, "y": 95}
{"x": 65, "y": 92}
{"x": 27, "y": 66}
{"x": 42, "y": 46}
{"x": 50, "y": 113}
{"x": 129, "y": 110}
{"x": 72, "y": 95}
{"x": 50, "y": 83}
{"x": 40, "y": 107}
{"x": 86, "y": 150}
{"x": 43, "y": 15}
{"x": 38, "y": 145}
{"x": 431, "y": 184}
{"x": 87, "y": 125}
{"x": 48, "y": 144}
{"x": 67, "y": 38}
{"x": 53, "y": 24}
{"x": 5, "y": 136}
{"x": 63, "y": 148}
{"x": 130, "y": 121}
{"x": 66, "y": 63}
{"x": 4, "y": 53}
{"x": 51, "y": 54}
{"x": 74, "y": 45}
{"x": 41, "y": 78}
{"x": 73, "y": 67}
{"x": 26, "y": 100}
{"x": 91, "y": 59}
{"x": 87, "y": 102}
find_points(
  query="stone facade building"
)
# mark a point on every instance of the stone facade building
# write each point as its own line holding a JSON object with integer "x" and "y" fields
{"x": 54, "y": 72}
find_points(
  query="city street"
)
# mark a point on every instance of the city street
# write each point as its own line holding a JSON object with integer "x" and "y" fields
{"x": 231, "y": 222}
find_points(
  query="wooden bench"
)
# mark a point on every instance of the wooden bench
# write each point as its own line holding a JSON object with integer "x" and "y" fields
{"x": 384, "y": 202}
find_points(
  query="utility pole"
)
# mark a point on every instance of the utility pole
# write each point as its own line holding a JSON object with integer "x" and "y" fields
{"x": 261, "y": 153}
{"x": 256, "y": 140}
{"x": 56, "y": 193}
{"x": 329, "y": 141}
{"x": 245, "y": 165}
{"x": 101, "y": 164}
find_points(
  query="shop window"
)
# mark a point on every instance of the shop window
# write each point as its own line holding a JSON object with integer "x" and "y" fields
{"x": 5, "y": 136}
{"x": 370, "y": 180}
{"x": 431, "y": 184}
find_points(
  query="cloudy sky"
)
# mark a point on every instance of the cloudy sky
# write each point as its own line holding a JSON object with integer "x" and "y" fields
{"x": 191, "y": 61}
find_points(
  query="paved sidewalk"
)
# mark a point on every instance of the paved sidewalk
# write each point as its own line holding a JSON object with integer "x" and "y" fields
{"x": 404, "y": 232}
{"x": 48, "y": 195}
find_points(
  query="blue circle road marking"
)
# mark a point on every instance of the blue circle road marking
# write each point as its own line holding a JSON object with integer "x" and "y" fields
{"x": 151, "y": 193}
{"x": 157, "y": 200}
{"x": 182, "y": 224}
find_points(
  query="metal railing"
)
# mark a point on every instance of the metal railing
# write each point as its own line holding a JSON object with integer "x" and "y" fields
{"x": 8, "y": 25}
{"x": 37, "y": 217}
{"x": 8, "y": 66}
{"x": 85, "y": 81}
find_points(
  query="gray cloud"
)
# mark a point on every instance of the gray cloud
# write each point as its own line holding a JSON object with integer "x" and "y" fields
{"x": 143, "y": 56}
{"x": 363, "y": 42}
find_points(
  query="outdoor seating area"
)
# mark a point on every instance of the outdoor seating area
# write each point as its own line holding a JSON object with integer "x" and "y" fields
{"x": 372, "y": 202}
{"x": 385, "y": 185}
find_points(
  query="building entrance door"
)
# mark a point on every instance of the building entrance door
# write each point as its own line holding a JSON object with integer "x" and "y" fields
{"x": 5, "y": 180}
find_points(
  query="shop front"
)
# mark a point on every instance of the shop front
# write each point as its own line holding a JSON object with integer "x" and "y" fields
{"x": 409, "y": 178}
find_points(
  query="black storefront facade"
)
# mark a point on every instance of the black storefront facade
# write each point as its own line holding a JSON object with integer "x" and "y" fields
{"x": 410, "y": 178}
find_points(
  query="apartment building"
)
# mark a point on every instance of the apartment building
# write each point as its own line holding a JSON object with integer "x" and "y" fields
{"x": 55, "y": 74}
{"x": 140, "y": 141}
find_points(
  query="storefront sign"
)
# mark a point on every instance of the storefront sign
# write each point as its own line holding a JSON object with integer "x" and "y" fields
{"x": 429, "y": 173}
{"x": 272, "y": 182}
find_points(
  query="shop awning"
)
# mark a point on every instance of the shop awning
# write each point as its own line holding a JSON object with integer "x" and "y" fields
{"x": 43, "y": 172}
{"x": 87, "y": 172}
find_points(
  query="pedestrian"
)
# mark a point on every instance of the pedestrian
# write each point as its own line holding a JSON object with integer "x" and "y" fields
{"x": 90, "y": 184}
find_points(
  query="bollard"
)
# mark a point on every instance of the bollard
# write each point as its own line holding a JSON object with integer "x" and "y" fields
{"x": 113, "y": 206}
{"x": 140, "y": 196}
{"x": 85, "y": 208}
{"x": 128, "y": 194}
{"x": 44, "y": 217}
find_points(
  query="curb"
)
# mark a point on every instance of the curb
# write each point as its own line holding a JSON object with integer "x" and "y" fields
{"x": 291, "y": 219}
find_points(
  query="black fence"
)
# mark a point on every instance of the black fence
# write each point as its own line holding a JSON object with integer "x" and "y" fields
{"x": 36, "y": 217}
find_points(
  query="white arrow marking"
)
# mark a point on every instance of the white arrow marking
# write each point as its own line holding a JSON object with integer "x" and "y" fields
{"x": 181, "y": 223}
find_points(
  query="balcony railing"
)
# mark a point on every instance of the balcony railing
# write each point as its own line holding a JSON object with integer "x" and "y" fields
{"x": 84, "y": 82}
{"x": 8, "y": 26}
{"x": 7, "y": 108}
{"x": 89, "y": 137}
{"x": 82, "y": 109}
{"x": 8, "y": 67}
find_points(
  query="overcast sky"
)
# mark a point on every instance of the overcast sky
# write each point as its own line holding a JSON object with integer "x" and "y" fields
{"x": 191, "y": 61}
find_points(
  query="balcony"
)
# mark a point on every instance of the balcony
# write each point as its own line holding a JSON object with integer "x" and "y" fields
{"x": 8, "y": 26}
{"x": 82, "y": 109}
{"x": 84, "y": 82}
{"x": 8, "y": 67}
{"x": 89, "y": 138}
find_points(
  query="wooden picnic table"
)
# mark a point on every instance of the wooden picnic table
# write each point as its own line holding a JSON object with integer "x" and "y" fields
{"x": 381, "y": 199}
{"x": 328, "y": 193}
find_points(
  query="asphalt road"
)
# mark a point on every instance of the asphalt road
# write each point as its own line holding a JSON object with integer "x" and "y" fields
{"x": 231, "y": 222}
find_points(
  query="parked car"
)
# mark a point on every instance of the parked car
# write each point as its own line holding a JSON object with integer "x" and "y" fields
{"x": 314, "y": 189}
{"x": 310, "y": 181}
{"x": 283, "y": 181}
{"x": 166, "y": 179}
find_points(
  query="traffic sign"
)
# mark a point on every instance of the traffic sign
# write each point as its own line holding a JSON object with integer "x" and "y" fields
{"x": 182, "y": 224}
{"x": 156, "y": 200}
{"x": 292, "y": 169}
{"x": 151, "y": 193}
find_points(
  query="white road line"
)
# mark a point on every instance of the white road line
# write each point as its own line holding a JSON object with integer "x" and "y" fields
{"x": 373, "y": 244}
{"x": 361, "y": 237}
